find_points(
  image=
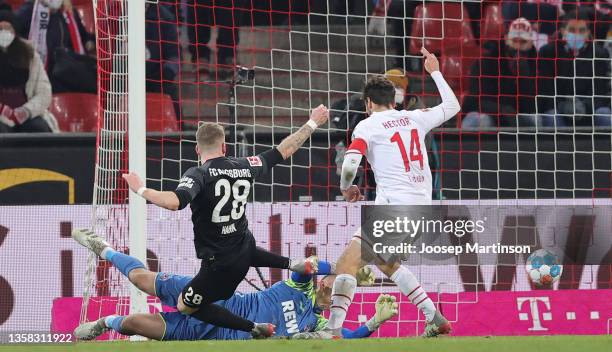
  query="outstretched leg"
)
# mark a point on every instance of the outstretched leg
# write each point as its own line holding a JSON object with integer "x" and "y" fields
{"x": 343, "y": 290}
{"x": 151, "y": 326}
{"x": 216, "y": 280}
{"x": 129, "y": 266}
{"x": 267, "y": 259}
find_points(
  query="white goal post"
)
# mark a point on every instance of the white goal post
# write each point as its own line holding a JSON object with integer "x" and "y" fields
{"x": 122, "y": 108}
{"x": 137, "y": 127}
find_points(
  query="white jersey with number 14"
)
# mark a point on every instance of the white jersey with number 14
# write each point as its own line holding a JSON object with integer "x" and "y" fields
{"x": 394, "y": 144}
{"x": 396, "y": 152}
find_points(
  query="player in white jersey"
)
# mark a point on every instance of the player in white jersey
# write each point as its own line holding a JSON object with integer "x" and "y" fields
{"x": 394, "y": 144}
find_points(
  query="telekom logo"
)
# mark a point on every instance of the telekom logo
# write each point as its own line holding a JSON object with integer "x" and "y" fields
{"x": 534, "y": 311}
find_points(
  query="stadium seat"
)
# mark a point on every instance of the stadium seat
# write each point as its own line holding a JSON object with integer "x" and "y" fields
{"x": 15, "y": 4}
{"x": 451, "y": 66}
{"x": 493, "y": 23}
{"x": 82, "y": 2}
{"x": 456, "y": 63}
{"x": 75, "y": 112}
{"x": 160, "y": 113}
{"x": 78, "y": 112}
{"x": 438, "y": 25}
{"x": 87, "y": 16}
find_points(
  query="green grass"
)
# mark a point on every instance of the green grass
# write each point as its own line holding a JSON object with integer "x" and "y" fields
{"x": 450, "y": 344}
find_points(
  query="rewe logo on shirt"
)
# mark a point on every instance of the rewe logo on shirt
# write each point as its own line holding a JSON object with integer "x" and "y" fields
{"x": 290, "y": 317}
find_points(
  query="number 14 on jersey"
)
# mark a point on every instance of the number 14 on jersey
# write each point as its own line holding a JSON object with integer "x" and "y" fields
{"x": 415, "y": 148}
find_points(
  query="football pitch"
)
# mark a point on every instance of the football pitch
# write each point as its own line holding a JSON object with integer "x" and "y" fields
{"x": 450, "y": 344}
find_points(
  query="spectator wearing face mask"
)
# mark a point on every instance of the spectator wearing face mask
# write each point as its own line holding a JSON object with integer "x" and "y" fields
{"x": 25, "y": 92}
{"x": 54, "y": 27}
{"x": 503, "y": 84}
{"x": 574, "y": 76}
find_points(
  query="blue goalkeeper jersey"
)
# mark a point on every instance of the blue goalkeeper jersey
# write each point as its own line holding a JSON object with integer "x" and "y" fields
{"x": 289, "y": 305}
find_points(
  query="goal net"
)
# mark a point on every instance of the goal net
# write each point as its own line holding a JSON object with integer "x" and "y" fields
{"x": 258, "y": 68}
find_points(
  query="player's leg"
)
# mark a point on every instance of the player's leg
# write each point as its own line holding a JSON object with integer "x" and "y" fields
{"x": 266, "y": 259}
{"x": 216, "y": 281}
{"x": 148, "y": 325}
{"x": 343, "y": 290}
{"x": 129, "y": 266}
{"x": 410, "y": 287}
{"x": 151, "y": 326}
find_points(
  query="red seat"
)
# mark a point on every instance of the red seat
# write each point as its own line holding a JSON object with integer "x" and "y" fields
{"x": 456, "y": 64}
{"x": 160, "y": 113}
{"x": 78, "y": 112}
{"x": 451, "y": 66}
{"x": 82, "y": 2}
{"x": 493, "y": 23}
{"x": 87, "y": 16}
{"x": 440, "y": 25}
{"x": 75, "y": 112}
{"x": 15, "y": 4}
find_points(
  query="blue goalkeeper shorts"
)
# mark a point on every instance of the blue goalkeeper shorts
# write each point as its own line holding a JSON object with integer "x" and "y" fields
{"x": 168, "y": 287}
{"x": 179, "y": 327}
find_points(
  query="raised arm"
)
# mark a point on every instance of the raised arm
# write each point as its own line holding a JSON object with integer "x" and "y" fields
{"x": 164, "y": 199}
{"x": 294, "y": 141}
{"x": 450, "y": 105}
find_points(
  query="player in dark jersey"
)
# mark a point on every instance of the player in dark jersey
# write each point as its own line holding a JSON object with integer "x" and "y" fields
{"x": 218, "y": 191}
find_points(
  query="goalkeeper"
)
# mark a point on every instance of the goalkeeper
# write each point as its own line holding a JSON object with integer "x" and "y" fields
{"x": 292, "y": 305}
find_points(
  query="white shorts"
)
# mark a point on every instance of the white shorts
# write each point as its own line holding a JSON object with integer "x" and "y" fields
{"x": 401, "y": 198}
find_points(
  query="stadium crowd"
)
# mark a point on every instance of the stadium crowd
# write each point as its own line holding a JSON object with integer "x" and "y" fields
{"x": 549, "y": 65}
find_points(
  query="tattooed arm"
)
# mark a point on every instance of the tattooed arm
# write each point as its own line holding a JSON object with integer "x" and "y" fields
{"x": 293, "y": 142}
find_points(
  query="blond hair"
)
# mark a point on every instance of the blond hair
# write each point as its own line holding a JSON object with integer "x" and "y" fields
{"x": 210, "y": 135}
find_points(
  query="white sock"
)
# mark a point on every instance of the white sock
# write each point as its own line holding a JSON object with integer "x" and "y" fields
{"x": 410, "y": 287}
{"x": 342, "y": 296}
{"x": 105, "y": 252}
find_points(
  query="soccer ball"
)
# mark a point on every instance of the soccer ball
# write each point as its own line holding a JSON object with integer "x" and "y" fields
{"x": 543, "y": 267}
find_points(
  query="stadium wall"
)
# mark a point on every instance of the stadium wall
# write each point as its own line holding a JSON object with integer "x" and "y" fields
{"x": 525, "y": 314}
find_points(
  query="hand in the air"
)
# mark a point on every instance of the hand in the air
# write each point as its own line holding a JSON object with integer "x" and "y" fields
{"x": 133, "y": 181}
{"x": 386, "y": 308}
{"x": 431, "y": 63}
{"x": 365, "y": 276}
{"x": 320, "y": 114}
{"x": 352, "y": 194}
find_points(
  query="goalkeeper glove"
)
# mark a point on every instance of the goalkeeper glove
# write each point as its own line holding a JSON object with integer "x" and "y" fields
{"x": 386, "y": 308}
{"x": 365, "y": 277}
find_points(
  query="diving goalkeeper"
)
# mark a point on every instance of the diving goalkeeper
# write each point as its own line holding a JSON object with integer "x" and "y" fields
{"x": 292, "y": 305}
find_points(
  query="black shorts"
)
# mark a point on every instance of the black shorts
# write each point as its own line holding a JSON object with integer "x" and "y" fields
{"x": 220, "y": 275}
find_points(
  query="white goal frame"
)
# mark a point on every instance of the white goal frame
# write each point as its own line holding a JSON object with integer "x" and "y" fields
{"x": 137, "y": 127}
{"x": 118, "y": 116}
